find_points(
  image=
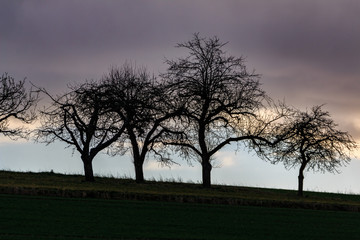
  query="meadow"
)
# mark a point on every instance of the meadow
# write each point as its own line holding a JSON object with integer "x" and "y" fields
{"x": 120, "y": 209}
{"x": 59, "y": 185}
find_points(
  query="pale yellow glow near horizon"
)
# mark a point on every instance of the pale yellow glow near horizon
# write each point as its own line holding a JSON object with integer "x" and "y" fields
{"x": 265, "y": 114}
{"x": 356, "y": 152}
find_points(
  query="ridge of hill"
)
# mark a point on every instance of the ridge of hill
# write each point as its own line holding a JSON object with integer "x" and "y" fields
{"x": 60, "y": 185}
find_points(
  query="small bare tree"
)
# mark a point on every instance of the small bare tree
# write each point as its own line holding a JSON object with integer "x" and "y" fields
{"x": 15, "y": 103}
{"x": 142, "y": 104}
{"x": 221, "y": 101}
{"x": 312, "y": 141}
{"x": 80, "y": 119}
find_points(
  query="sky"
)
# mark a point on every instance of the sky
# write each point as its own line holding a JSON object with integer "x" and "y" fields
{"x": 307, "y": 53}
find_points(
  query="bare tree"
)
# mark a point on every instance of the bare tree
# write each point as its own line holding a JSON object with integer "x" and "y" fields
{"x": 15, "y": 103}
{"x": 142, "y": 104}
{"x": 221, "y": 101}
{"x": 79, "y": 119}
{"x": 312, "y": 141}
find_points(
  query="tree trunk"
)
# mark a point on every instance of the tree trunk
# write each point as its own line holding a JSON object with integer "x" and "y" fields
{"x": 139, "y": 172}
{"x": 138, "y": 159}
{"x": 300, "y": 185}
{"x": 206, "y": 172}
{"x": 88, "y": 169}
{"x": 301, "y": 180}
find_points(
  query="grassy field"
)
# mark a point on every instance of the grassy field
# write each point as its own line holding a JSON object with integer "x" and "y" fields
{"x": 55, "y": 206}
{"x": 30, "y": 217}
{"x": 58, "y": 185}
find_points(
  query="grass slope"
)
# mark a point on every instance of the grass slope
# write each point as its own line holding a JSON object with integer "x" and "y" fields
{"x": 59, "y": 185}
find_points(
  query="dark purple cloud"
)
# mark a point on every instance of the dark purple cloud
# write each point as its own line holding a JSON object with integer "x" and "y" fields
{"x": 308, "y": 52}
{"x": 325, "y": 35}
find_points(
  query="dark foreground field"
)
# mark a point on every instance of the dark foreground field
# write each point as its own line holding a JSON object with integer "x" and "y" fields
{"x": 101, "y": 211}
{"x": 28, "y": 217}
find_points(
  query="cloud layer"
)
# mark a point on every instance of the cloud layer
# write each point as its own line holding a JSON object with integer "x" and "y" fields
{"x": 308, "y": 52}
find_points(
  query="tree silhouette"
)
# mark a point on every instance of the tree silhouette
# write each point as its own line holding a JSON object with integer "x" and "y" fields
{"x": 17, "y": 104}
{"x": 312, "y": 141}
{"x": 79, "y": 119}
{"x": 142, "y": 104}
{"x": 221, "y": 101}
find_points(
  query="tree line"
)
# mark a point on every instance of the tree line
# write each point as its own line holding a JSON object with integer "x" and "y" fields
{"x": 201, "y": 103}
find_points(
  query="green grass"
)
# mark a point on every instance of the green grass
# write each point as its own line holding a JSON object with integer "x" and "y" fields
{"x": 29, "y": 217}
{"x": 126, "y": 189}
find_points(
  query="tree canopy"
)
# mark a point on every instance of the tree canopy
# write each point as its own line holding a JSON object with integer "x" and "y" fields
{"x": 16, "y": 103}
{"x": 218, "y": 94}
{"x": 312, "y": 141}
{"x": 79, "y": 119}
{"x": 143, "y": 105}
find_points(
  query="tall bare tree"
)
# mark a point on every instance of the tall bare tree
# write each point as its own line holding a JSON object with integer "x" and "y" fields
{"x": 221, "y": 100}
{"x": 80, "y": 119}
{"x": 15, "y": 103}
{"x": 142, "y": 104}
{"x": 311, "y": 141}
